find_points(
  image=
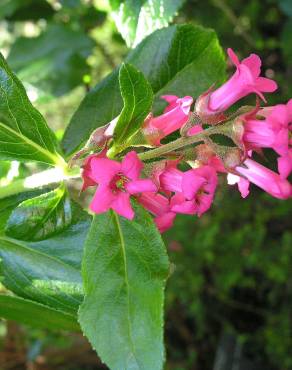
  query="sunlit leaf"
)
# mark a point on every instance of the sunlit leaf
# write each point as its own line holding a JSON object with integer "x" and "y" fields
{"x": 24, "y": 134}
{"x": 38, "y": 218}
{"x": 137, "y": 19}
{"x": 180, "y": 60}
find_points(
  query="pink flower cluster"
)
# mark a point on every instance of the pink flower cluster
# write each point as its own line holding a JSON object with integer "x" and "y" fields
{"x": 167, "y": 190}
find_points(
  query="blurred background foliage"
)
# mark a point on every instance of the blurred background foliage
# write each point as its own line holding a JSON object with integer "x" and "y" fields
{"x": 229, "y": 297}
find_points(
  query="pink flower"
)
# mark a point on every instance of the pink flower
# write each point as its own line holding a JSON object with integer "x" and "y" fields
{"x": 86, "y": 170}
{"x": 272, "y": 132}
{"x": 174, "y": 117}
{"x": 244, "y": 81}
{"x": 197, "y": 186}
{"x": 268, "y": 180}
{"x": 285, "y": 164}
{"x": 117, "y": 181}
{"x": 160, "y": 207}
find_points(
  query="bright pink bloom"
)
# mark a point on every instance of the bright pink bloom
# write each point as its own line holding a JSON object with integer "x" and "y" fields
{"x": 116, "y": 182}
{"x": 272, "y": 132}
{"x": 174, "y": 117}
{"x": 268, "y": 180}
{"x": 244, "y": 81}
{"x": 196, "y": 185}
{"x": 160, "y": 207}
{"x": 285, "y": 164}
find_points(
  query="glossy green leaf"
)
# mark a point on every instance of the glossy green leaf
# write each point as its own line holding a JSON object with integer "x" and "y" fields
{"x": 35, "y": 314}
{"x": 40, "y": 217}
{"x": 47, "y": 271}
{"x": 180, "y": 60}
{"x": 55, "y": 61}
{"x": 138, "y": 97}
{"x": 137, "y": 19}
{"x": 24, "y": 134}
{"x": 124, "y": 269}
{"x": 8, "y": 204}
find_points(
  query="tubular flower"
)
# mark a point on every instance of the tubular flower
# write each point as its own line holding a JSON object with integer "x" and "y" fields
{"x": 173, "y": 118}
{"x": 117, "y": 181}
{"x": 245, "y": 80}
{"x": 285, "y": 164}
{"x": 197, "y": 186}
{"x": 160, "y": 207}
{"x": 271, "y": 132}
{"x": 266, "y": 179}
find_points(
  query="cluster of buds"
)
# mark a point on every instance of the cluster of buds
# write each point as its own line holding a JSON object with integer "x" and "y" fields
{"x": 162, "y": 187}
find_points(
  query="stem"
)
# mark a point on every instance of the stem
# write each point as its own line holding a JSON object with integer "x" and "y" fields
{"x": 177, "y": 144}
{"x": 51, "y": 176}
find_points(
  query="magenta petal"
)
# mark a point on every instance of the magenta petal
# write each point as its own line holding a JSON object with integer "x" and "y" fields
{"x": 171, "y": 99}
{"x": 102, "y": 200}
{"x": 104, "y": 169}
{"x": 131, "y": 165}
{"x": 233, "y": 57}
{"x": 122, "y": 205}
{"x": 188, "y": 207}
{"x": 140, "y": 186}
{"x": 285, "y": 165}
{"x": 243, "y": 187}
{"x": 165, "y": 221}
{"x": 265, "y": 84}
{"x": 191, "y": 183}
{"x": 253, "y": 62}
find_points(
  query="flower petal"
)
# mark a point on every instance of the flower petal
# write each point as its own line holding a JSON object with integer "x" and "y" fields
{"x": 104, "y": 169}
{"x": 131, "y": 165}
{"x": 102, "y": 200}
{"x": 165, "y": 221}
{"x": 122, "y": 205}
{"x": 140, "y": 186}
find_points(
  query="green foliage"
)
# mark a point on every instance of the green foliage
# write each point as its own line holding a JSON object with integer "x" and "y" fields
{"x": 56, "y": 61}
{"x": 8, "y": 204}
{"x": 35, "y": 314}
{"x": 124, "y": 269}
{"x": 138, "y": 97}
{"x": 179, "y": 59}
{"x": 47, "y": 271}
{"x": 24, "y": 134}
{"x": 40, "y": 217}
{"x": 137, "y": 19}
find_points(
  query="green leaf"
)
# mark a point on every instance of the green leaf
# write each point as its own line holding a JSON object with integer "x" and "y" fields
{"x": 8, "y": 204}
{"x": 124, "y": 270}
{"x": 35, "y": 314}
{"x": 24, "y": 10}
{"x": 137, "y": 19}
{"x": 24, "y": 134}
{"x": 138, "y": 97}
{"x": 55, "y": 61}
{"x": 179, "y": 60}
{"x": 40, "y": 217}
{"x": 47, "y": 271}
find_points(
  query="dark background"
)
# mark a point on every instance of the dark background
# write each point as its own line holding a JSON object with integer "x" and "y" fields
{"x": 229, "y": 298}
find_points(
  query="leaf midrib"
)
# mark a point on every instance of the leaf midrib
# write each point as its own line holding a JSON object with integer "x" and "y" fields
{"x": 31, "y": 143}
{"x": 123, "y": 249}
